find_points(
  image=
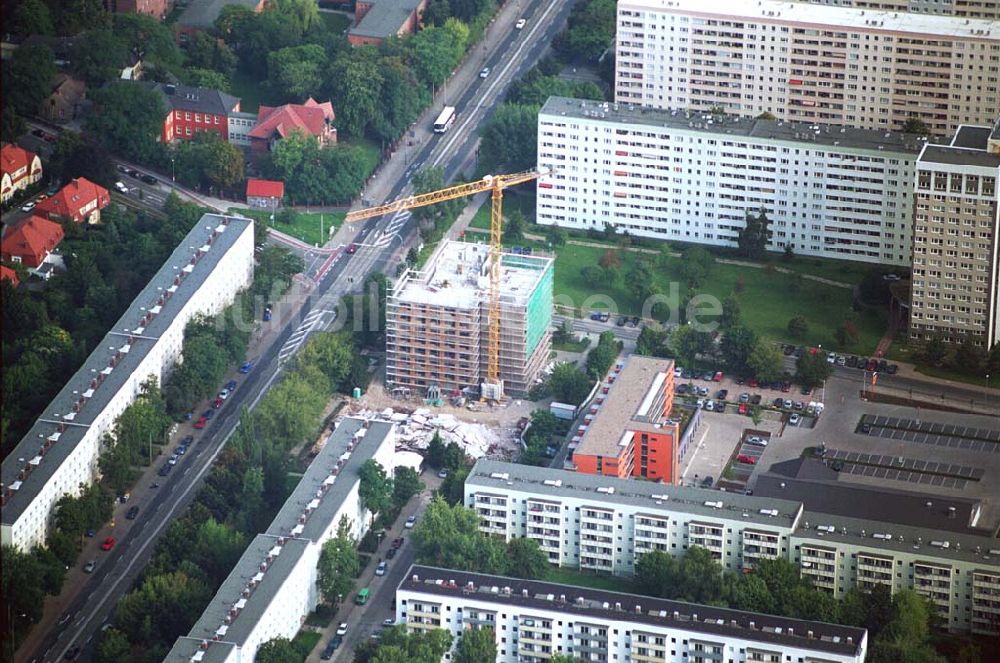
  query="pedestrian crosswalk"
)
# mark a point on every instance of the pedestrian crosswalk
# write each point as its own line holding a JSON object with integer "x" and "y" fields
{"x": 315, "y": 319}
{"x": 392, "y": 228}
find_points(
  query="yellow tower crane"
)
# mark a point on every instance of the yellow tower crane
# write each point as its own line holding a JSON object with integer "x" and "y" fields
{"x": 493, "y": 387}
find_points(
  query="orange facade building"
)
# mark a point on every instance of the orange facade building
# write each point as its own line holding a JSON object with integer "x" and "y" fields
{"x": 626, "y": 432}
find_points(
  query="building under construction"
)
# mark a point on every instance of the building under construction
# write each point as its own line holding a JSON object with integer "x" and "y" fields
{"x": 437, "y": 323}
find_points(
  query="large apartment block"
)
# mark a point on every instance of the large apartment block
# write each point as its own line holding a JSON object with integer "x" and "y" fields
{"x": 273, "y": 587}
{"x": 961, "y": 8}
{"x": 606, "y": 524}
{"x": 437, "y": 322}
{"x": 832, "y": 192}
{"x": 59, "y": 454}
{"x": 533, "y": 621}
{"x": 956, "y": 239}
{"x": 808, "y": 62}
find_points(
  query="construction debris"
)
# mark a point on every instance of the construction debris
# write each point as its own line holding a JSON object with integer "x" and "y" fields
{"x": 415, "y": 429}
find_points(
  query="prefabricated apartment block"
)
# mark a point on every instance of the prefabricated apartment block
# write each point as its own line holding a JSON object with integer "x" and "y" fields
{"x": 830, "y": 192}
{"x": 626, "y": 431}
{"x": 437, "y": 322}
{"x": 533, "y": 621}
{"x": 808, "y": 63}
{"x": 606, "y": 524}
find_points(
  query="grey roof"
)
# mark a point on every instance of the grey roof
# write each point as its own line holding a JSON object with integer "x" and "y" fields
{"x": 648, "y": 494}
{"x": 960, "y": 156}
{"x": 194, "y": 99}
{"x": 99, "y": 360}
{"x": 821, "y": 489}
{"x": 712, "y": 621}
{"x": 329, "y": 462}
{"x": 203, "y": 13}
{"x": 971, "y": 137}
{"x": 815, "y": 136}
{"x": 983, "y": 550}
{"x": 385, "y": 18}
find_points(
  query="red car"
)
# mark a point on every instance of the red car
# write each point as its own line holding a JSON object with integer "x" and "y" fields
{"x": 718, "y": 377}
{"x": 754, "y": 382}
{"x": 786, "y": 386}
{"x": 397, "y": 543}
{"x": 108, "y": 544}
{"x": 217, "y": 403}
{"x": 743, "y": 408}
{"x": 201, "y": 423}
{"x": 749, "y": 460}
{"x": 352, "y": 249}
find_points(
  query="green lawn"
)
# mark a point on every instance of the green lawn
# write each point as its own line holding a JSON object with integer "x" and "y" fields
{"x": 306, "y": 225}
{"x": 306, "y": 641}
{"x": 524, "y": 201}
{"x": 768, "y": 301}
{"x": 336, "y": 23}
{"x": 609, "y": 583}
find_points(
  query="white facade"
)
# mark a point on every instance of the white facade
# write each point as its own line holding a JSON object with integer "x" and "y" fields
{"x": 808, "y": 63}
{"x": 62, "y": 448}
{"x": 532, "y": 621}
{"x": 273, "y": 586}
{"x": 828, "y": 192}
{"x": 240, "y": 126}
{"x": 579, "y": 524}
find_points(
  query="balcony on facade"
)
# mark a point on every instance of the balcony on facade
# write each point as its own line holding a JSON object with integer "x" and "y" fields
{"x": 933, "y": 581}
{"x": 709, "y": 536}
{"x": 759, "y": 544}
{"x": 875, "y": 570}
{"x": 985, "y": 601}
{"x": 649, "y": 647}
{"x": 819, "y": 564}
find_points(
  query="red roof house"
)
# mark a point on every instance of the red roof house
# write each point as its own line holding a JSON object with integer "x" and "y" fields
{"x": 80, "y": 200}
{"x": 8, "y": 273}
{"x": 21, "y": 169}
{"x": 265, "y": 193}
{"x": 312, "y": 118}
{"x": 31, "y": 241}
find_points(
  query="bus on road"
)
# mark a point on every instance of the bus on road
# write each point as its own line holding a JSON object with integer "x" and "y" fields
{"x": 445, "y": 120}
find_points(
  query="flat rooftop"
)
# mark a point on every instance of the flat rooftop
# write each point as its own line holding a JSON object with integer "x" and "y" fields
{"x": 960, "y": 156}
{"x": 700, "y": 502}
{"x": 582, "y": 602}
{"x": 115, "y": 343}
{"x": 820, "y": 16}
{"x": 821, "y": 489}
{"x": 457, "y": 276}
{"x": 626, "y": 406}
{"x": 321, "y": 491}
{"x": 202, "y": 14}
{"x": 385, "y": 18}
{"x": 817, "y": 136}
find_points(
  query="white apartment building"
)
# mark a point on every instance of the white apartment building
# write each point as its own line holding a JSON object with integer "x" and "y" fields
{"x": 831, "y": 192}
{"x": 60, "y": 452}
{"x": 532, "y": 621}
{"x": 962, "y": 8}
{"x": 606, "y": 524}
{"x": 809, "y": 62}
{"x": 273, "y": 588}
{"x": 956, "y": 248}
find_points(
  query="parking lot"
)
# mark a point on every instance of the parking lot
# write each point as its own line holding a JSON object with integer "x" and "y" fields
{"x": 721, "y": 439}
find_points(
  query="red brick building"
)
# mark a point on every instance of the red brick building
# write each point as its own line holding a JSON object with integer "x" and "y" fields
{"x": 312, "y": 118}
{"x": 378, "y": 20}
{"x": 30, "y": 241}
{"x": 627, "y": 431}
{"x": 10, "y": 275}
{"x": 157, "y": 8}
{"x": 194, "y": 110}
{"x": 80, "y": 200}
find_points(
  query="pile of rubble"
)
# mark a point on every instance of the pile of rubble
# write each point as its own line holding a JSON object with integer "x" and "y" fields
{"x": 415, "y": 429}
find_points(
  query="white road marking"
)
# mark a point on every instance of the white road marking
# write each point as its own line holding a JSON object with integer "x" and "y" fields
{"x": 701, "y": 443}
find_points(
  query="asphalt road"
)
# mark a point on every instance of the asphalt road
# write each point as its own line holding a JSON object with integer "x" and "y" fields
{"x": 118, "y": 568}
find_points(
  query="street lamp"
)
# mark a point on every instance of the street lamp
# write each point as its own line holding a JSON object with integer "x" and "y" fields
{"x": 173, "y": 173}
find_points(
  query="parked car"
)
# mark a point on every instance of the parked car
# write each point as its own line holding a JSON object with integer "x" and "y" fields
{"x": 208, "y": 414}
{"x": 687, "y": 374}
{"x": 754, "y": 383}
{"x": 621, "y": 321}
{"x": 267, "y": 314}
{"x": 148, "y": 179}
{"x": 718, "y": 376}
{"x": 798, "y": 405}
{"x": 120, "y": 186}
{"x": 778, "y": 402}
{"x": 390, "y": 553}
{"x": 755, "y": 399}
{"x": 217, "y": 403}
{"x": 91, "y": 533}
{"x": 223, "y": 395}
{"x": 749, "y": 460}
{"x": 352, "y": 249}
{"x": 109, "y": 543}
{"x": 331, "y": 647}
{"x": 380, "y": 569}
{"x": 788, "y": 350}
{"x": 173, "y": 459}
{"x": 164, "y": 469}
{"x": 700, "y": 403}
{"x": 787, "y": 404}
{"x": 851, "y": 362}
{"x": 342, "y": 629}
{"x": 443, "y": 473}
{"x": 841, "y": 360}
{"x": 710, "y": 406}
{"x": 246, "y": 367}
{"x": 744, "y": 397}
{"x": 28, "y": 206}
{"x": 231, "y": 386}
{"x": 757, "y": 441}
{"x": 794, "y": 419}
{"x": 389, "y": 622}
{"x": 722, "y": 394}
{"x": 707, "y": 482}
{"x": 744, "y": 408}
{"x": 485, "y": 72}
{"x": 634, "y": 321}
{"x": 398, "y": 542}
{"x": 410, "y": 522}
{"x": 891, "y": 369}
{"x": 132, "y": 513}
{"x": 681, "y": 389}
{"x": 75, "y": 651}
{"x": 806, "y": 390}
{"x": 90, "y": 566}
{"x": 520, "y": 24}
{"x": 201, "y": 423}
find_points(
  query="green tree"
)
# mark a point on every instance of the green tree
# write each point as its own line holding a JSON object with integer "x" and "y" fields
{"x": 30, "y": 17}
{"x": 569, "y": 384}
{"x": 526, "y": 559}
{"x": 590, "y": 29}
{"x": 437, "y": 50}
{"x": 695, "y": 267}
{"x": 128, "y": 120}
{"x": 435, "y": 451}
{"x": 969, "y": 357}
{"x": 476, "y": 646}
{"x": 277, "y": 650}
{"x": 509, "y": 138}
{"x": 358, "y": 90}
{"x": 73, "y": 16}
{"x": 737, "y": 345}
{"x": 798, "y": 326}
{"x": 755, "y": 235}
{"x": 730, "y": 313}
{"x": 403, "y": 99}
{"x": 812, "y": 368}
{"x": 652, "y": 342}
{"x": 603, "y": 355}
{"x": 535, "y": 89}
{"x": 304, "y": 12}
{"x": 162, "y": 607}
{"x": 22, "y": 583}
{"x": 297, "y": 71}
{"x": 766, "y": 361}
{"x": 375, "y": 487}
{"x": 215, "y": 549}
{"x": 934, "y": 350}
{"x": 689, "y": 343}
{"x": 338, "y": 564}
{"x": 27, "y": 78}
{"x": 452, "y": 489}
{"x": 97, "y": 66}
{"x": 449, "y": 536}
{"x": 914, "y": 125}
{"x": 113, "y": 647}
{"x": 150, "y": 37}
{"x": 331, "y": 353}
{"x": 205, "y": 52}
{"x": 405, "y": 484}
{"x": 555, "y": 235}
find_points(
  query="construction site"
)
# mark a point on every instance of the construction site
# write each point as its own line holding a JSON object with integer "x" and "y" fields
{"x": 438, "y": 324}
